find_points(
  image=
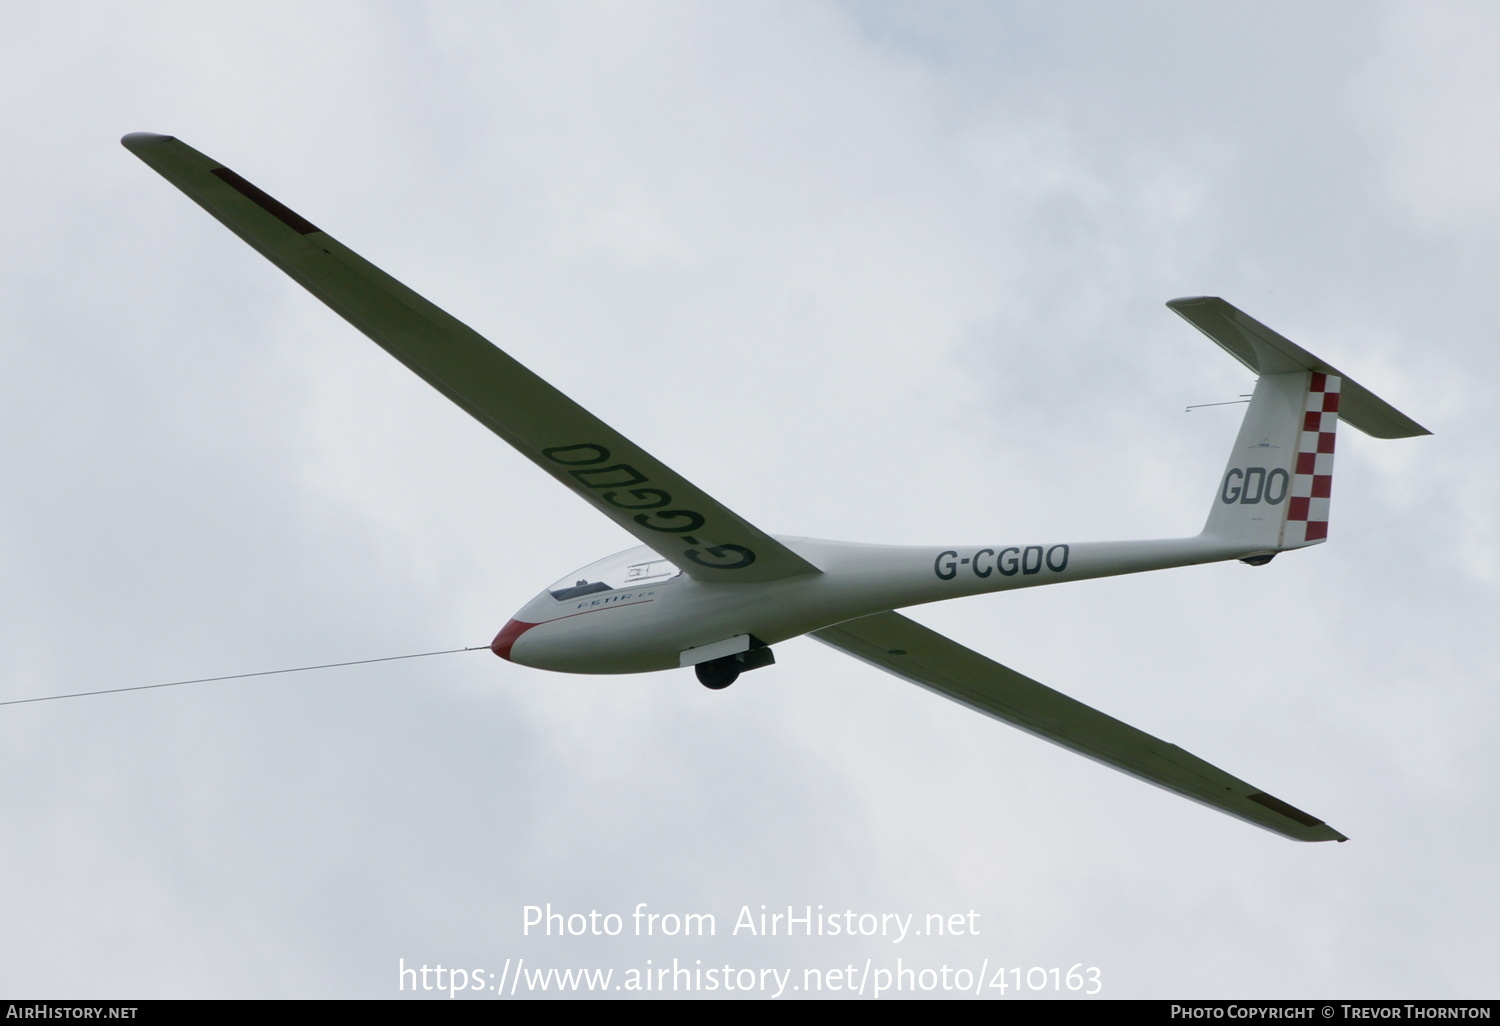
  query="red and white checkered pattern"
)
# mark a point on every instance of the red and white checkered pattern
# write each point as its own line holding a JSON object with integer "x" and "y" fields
{"x": 1312, "y": 478}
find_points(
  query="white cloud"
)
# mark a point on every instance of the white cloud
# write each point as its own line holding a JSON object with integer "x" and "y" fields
{"x": 1430, "y": 97}
{"x": 858, "y": 272}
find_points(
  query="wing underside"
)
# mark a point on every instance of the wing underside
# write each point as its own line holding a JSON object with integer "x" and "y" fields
{"x": 905, "y": 648}
{"x": 636, "y": 491}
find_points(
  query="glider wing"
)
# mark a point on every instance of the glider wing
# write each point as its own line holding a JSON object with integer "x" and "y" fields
{"x": 636, "y": 491}
{"x": 907, "y": 649}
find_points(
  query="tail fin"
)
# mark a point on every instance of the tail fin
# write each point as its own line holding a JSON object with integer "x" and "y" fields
{"x": 1276, "y": 489}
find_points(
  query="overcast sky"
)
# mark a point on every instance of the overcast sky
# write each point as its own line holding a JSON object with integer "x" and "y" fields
{"x": 882, "y": 272}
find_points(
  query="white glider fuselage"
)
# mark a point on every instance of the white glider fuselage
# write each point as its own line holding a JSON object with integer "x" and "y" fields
{"x": 649, "y": 619}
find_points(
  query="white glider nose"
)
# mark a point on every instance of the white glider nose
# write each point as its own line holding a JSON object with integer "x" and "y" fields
{"x": 506, "y": 639}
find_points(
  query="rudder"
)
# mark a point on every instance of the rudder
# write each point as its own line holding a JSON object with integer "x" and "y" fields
{"x": 1312, "y": 476}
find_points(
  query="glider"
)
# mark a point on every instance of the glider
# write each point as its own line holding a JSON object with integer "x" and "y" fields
{"x": 708, "y": 589}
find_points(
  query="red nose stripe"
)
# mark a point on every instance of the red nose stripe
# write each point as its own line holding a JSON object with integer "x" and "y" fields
{"x": 507, "y": 637}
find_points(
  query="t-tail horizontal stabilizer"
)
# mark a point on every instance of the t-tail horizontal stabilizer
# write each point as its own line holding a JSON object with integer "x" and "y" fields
{"x": 1267, "y": 352}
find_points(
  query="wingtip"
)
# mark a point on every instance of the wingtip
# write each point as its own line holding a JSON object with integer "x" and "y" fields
{"x": 1324, "y": 832}
{"x": 136, "y": 141}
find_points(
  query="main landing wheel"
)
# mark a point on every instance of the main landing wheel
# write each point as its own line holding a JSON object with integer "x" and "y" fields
{"x": 718, "y": 674}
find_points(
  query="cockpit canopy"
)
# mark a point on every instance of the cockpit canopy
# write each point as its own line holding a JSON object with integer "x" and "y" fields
{"x": 629, "y": 569}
